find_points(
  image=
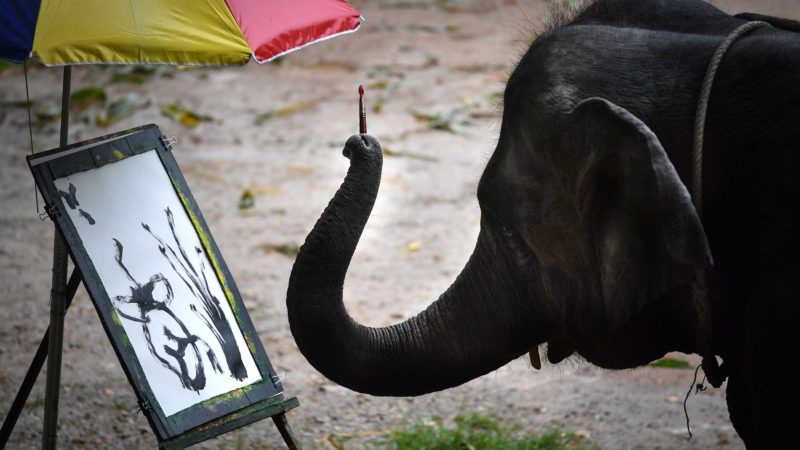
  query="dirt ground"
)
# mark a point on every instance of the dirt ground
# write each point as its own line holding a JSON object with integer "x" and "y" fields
{"x": 446, "y": 58}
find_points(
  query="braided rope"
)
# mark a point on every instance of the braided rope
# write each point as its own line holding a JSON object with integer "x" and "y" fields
{"x": 700, "y": 298}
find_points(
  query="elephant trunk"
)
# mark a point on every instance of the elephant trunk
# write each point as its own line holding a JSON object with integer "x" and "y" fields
{"x": 479, "y": 324}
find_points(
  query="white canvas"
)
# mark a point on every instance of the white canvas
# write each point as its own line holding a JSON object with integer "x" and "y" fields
{"x": 164, "y": 289}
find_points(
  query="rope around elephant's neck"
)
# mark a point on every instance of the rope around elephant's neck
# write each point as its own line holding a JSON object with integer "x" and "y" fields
{"x": 715, "y": 374}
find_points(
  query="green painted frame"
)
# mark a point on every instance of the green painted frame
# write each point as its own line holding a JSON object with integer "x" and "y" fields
{"x": 211, "y": 417}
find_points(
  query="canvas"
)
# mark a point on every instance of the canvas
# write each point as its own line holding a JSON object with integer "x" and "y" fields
{"x": 151, "y": 263}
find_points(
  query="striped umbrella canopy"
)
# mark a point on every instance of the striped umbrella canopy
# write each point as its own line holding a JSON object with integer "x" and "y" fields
{"x": 180, "y": 32}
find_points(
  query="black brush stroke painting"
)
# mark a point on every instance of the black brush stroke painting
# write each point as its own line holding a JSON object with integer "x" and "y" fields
{"x": 173, "y": 358}
{"x": 72, "y": 202}
{"x": 209, "y": 312}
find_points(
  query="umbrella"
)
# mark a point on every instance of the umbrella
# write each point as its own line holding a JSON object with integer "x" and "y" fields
{"x": 183, "y": 32}
{"x": 177, "y": 32}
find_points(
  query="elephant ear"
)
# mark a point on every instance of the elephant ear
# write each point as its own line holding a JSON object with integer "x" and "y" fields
{"x": 639, "y": 217}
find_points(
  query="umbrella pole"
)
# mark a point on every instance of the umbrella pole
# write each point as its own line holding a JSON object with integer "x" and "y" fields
{"x": 57, "y": 302}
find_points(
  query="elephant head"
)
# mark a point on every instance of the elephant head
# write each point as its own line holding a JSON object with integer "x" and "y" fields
{"x": 600, "y": 227}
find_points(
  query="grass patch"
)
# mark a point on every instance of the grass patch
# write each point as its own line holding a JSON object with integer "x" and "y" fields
{"x": 671, "y": 363}
{"x": 471, "y": 432}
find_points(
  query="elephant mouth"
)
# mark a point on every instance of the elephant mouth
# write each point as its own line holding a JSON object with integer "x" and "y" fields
{"x": 557, "y": 349}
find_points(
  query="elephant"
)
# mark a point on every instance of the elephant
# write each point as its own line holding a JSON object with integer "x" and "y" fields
{"x": 589, "y": 240}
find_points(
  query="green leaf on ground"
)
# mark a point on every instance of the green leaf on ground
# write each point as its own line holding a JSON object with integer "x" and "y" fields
{"x": 118, "y": 110}
{"x": 133, "y": 74}
{"x": 290, "y": 250}
{"x": 184, "y": 116}
{"x": 284, "y": 111}
{"x": 83, "y": 98}
{"x": 247, "y": 200}
{"x": 378, "y": 85}
{"x": 48, "y": 113}
{"x": 455, "y": 122}
{"x": 670, "y": 363}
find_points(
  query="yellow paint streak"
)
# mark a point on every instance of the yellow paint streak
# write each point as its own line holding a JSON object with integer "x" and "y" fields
{"x": 206, "y": 241}
{"x": 115, "y": 317}
{"x": 226, "y": 397}
{"x": 250, "y": 344}
{"x": 124, "y": 336}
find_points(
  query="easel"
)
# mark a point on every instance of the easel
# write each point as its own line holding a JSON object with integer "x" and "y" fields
{"x": 61, "y": 294}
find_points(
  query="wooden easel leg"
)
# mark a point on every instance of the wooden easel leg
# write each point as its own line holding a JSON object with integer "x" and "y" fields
{"x": 286, "y": 431}
{"x": 55, "y": 342}
{"x": 34, "y": 369}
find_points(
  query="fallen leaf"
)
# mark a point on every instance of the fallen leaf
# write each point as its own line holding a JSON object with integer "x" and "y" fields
{"x": 414, "y": 246}
{"x": 378, "y": 85}
{"x": 83, "y": 98}
{"x": 133, "y": 74}
{"x": 284, "y": 111}
{"x": 455, "y": 122}
{"x": 119, "y": 109}
{"x": 184, "y": 116}
{"x": 247, "y": 200}
{"x": 290, "y": 250}
{"x": 49, "y": 113}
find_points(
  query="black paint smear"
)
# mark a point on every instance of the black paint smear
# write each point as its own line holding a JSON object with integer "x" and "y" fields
{"x": 142, "y": 297}
{"x": 69, "y": 197}
{"x": 86, "y": 216}
{"x": 211, "y": 314}
{"x": 72, "y": 202}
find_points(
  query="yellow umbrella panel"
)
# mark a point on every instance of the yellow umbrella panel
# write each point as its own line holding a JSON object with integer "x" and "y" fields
{"x": 142, "y": 31}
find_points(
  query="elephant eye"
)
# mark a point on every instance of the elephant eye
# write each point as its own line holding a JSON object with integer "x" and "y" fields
{"x": 517, "y": 247}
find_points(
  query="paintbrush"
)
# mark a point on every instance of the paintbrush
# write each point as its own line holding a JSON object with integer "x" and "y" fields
{"x": 362, "y": 113}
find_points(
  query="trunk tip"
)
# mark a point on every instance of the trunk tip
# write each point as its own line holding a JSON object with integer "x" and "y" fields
{"x": 361, "y": 145}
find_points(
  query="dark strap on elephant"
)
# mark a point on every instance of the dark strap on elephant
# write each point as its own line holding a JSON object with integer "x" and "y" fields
{"x": 715, "y": 374}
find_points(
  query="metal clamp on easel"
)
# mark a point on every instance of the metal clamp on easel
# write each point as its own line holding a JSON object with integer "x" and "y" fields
{"x": 168, "y": 142}
{"x": 50, "y": 212}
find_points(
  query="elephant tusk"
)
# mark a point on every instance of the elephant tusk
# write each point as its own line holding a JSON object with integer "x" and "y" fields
{"x": 536, "y": 361}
